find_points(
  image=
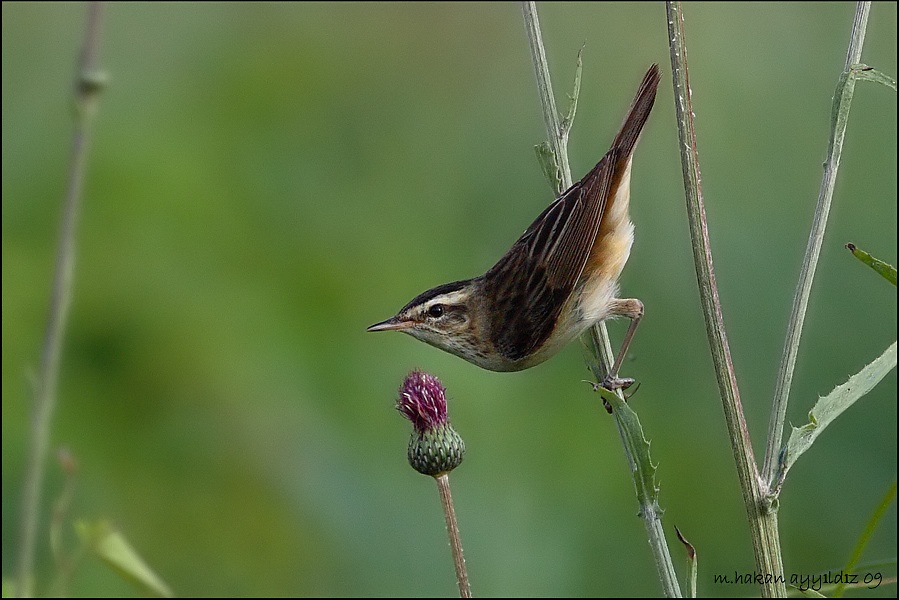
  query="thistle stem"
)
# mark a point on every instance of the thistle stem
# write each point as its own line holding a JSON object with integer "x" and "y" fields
{"x": 452, "y": 529}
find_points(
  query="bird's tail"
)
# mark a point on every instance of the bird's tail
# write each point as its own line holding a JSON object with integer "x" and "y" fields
{"x": 638, "y": 114}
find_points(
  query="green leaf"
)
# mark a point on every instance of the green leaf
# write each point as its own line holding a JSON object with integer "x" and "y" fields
{"x": 643, "y": 471}
{"x": 832, "y": 405}
{"x": 866, "y": 73}
{"x": 567, "y": 122}
{"x": 886, "y": 270}
{"x": 550, "y": 166}
{"x": 865, "y": 537}
{"x": 110, "y": 545}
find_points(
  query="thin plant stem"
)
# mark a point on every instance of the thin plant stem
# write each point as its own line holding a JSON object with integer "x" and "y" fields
{"x": 762, "y": 517}
{"x": 629, "y": 429}
{"x": 64, "y": 561}
{"x": 692, "y": 564}
{"x": 452, "y": 529}
{"x": 88, "y": 84}
{"x": 813, "y": 250}
{"x": 558, "y": 136}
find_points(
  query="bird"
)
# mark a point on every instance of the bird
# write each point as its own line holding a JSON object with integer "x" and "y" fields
{"x": 558, "y": 279}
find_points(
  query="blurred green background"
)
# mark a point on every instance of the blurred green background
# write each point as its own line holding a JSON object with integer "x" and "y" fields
{"x": 267, "y": 180}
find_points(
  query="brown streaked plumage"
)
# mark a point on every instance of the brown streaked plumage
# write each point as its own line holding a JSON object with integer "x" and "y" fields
{"x": 559, "y": 278}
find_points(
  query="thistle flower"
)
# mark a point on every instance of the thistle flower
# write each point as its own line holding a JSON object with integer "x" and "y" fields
{"x": 434, "y": 447}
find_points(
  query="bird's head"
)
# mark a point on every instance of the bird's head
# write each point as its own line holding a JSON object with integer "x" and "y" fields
{"x": 441, "y": 317}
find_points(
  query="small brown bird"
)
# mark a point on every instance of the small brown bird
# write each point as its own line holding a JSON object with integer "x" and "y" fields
{"x": 558, "y": 279}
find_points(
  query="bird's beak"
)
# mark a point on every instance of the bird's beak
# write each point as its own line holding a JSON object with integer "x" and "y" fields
{"x": 391, "y": 324}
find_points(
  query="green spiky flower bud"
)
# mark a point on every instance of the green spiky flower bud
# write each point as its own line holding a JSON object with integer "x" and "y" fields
{"x": 434, "y": 447}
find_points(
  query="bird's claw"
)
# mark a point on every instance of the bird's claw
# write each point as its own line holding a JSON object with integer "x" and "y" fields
{"x": 613, "y": 384}
{"x": 617, "y": 383}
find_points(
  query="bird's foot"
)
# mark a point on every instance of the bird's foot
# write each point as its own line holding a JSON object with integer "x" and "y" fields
{"x": 616, "y": 383}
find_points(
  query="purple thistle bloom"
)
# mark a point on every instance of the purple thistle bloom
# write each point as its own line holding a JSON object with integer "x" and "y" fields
{"x": 423, "y": 401}
{"x": 434, "y": 447}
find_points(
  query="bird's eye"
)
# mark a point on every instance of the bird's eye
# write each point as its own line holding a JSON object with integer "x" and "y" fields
{"x": 436, "y": 311}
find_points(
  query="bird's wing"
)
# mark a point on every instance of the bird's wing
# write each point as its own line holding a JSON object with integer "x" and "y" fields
{"x": 528, "y": 287}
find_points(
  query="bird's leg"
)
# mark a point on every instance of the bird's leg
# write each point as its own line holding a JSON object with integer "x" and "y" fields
{"x": 633, "y": 309}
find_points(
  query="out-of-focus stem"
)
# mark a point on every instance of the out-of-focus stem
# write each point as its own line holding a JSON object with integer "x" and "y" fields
{"x": 88, "y": 84}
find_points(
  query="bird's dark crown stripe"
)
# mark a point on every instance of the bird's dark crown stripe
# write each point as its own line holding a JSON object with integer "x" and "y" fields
{"x": 432, "y": 293}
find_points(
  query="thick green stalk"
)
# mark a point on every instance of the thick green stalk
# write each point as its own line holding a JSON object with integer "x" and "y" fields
{"x": 762, "y": 520}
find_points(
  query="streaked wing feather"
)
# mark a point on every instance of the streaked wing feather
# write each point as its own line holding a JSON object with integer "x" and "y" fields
{"x": 553, "y": 252}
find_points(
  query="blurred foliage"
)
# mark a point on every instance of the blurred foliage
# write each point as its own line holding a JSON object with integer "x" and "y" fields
{"x": 266, "y": 180}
